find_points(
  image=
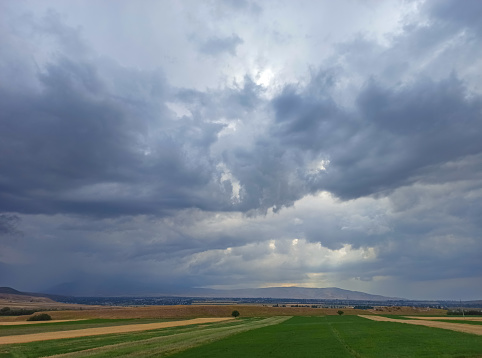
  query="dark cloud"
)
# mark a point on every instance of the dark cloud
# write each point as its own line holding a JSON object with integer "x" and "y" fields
{"x": 215, "y": 45}
{"x": 96, "y": 132}
{"x": 241, "y": 5}
{"x": 396, "y": 137}
{"x": 405, "y": 132}
{"x": 9, "y": 224}
{"x": 450, "y": 12}
{"x": 91, "y": 139}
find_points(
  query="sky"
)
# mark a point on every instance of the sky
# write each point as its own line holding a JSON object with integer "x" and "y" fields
{"x": 151, "y": 145}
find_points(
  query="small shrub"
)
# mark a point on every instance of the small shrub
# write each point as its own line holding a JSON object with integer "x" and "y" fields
{"x": 7, "y": 311}
{"x": 40, "y": 317}
{"x": 235, "y": 314}
{"x": 363, "y": 307}
{"x": 460, "y": 312}
{"x": 340, "y": 312}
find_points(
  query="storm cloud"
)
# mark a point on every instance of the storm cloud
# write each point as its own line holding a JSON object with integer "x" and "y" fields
{"x": 174, "y": 143}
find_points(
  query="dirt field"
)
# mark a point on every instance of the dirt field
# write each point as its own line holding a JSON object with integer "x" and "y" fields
{"x": 467, "y": 318}
{"x": 16, "y": 323}
{"x": 404, "y": 310}
{"x": 193, "y": 311}
{"x": 461, "y": 327}
{"x": 104, "y": 330}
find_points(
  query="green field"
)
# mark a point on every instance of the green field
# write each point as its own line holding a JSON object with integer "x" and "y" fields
{"x": 136, "y": 344}
{"x": 327, "y": 336}
{"x": 348, "y": 336}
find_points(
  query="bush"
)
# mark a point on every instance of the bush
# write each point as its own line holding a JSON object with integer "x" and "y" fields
{"x": 7, "y": 311}
{"x": 235, "y": 314}
{"x": 340, "y": 312}
{"x": 40, "y": 317}
{"x": 459, "y": 312}
{"x": 363, "y": 307}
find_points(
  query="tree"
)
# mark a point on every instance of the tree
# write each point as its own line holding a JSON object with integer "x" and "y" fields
{"x": 40, "y": 317}
{"x": 340, "y": 312}
{"x": 235, "y": 314}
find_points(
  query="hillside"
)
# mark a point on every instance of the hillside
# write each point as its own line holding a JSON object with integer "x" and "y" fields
{"x": 329, "y": 293}
{"x": 84, "y": 289}
{"x": 11, "y": 291}
{"x": 12, "y": 298}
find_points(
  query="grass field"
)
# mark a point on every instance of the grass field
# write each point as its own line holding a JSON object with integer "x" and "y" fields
{"x": 140, "y": 344}
{"x": 316, "y": 336}
{"x": 348, "y": 336}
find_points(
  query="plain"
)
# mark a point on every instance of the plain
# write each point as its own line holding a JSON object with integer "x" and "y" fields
{"x": 302, "y": 336}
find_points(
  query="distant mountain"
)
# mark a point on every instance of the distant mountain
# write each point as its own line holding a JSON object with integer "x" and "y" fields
{"x": 12, "y": 291}
{"x": 8, "y": 292}
{"x": 329, "y": 293}
{"x": 103, "y": 290}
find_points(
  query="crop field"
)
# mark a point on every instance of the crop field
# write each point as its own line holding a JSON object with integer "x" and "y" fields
{"x": 282, "y": 336}
{"x": 461, "y": 326}
{"x": 155, "y": 342}
{"x": 194, "y": 311}
{"x": 346, "y": 336}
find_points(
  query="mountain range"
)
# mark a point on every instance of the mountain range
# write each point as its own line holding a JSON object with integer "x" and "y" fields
{"x": 79, "y": 289}
{"x": 328, "y": 293}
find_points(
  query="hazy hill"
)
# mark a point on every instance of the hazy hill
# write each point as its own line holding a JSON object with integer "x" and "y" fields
{"x": 83, "y": 289}
{"x": 10, "y": 295}
{"x": 11, "y": 291}
{"x": 297, "y": 293}
{"x": 13, "y": 294}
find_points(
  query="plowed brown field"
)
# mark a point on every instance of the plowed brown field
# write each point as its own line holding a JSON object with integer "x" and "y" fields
{"x": 193, "y": 311}
{"x": 16, "y": 323}
{"x": 461, "y": 327}
{"x": 25, "y": 338}
{"x": 467, "y": 318}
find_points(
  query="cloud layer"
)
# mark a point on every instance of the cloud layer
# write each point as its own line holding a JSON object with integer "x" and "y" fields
{"x": 213, "y": 146}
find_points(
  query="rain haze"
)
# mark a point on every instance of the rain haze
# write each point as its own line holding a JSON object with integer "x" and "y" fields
{"x": 147, "y": 146}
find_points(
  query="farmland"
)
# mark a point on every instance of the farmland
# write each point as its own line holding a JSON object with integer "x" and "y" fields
{"x": 349, "y": 336}
{"x": 173, "y": 331}
{"x": 194, "y": 311}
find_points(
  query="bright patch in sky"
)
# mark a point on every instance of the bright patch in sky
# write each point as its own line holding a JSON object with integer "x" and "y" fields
{"x": 264, "y": 77}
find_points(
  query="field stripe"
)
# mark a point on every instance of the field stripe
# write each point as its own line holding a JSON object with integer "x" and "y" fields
{"x": 35, "y": 337}
{"x": 153, "y": 347}
{"x": 460, "y": 327}
{"x": 21, "y": 323}
{"x": 466, "y": 318}
{"x": 339, "y": 338}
